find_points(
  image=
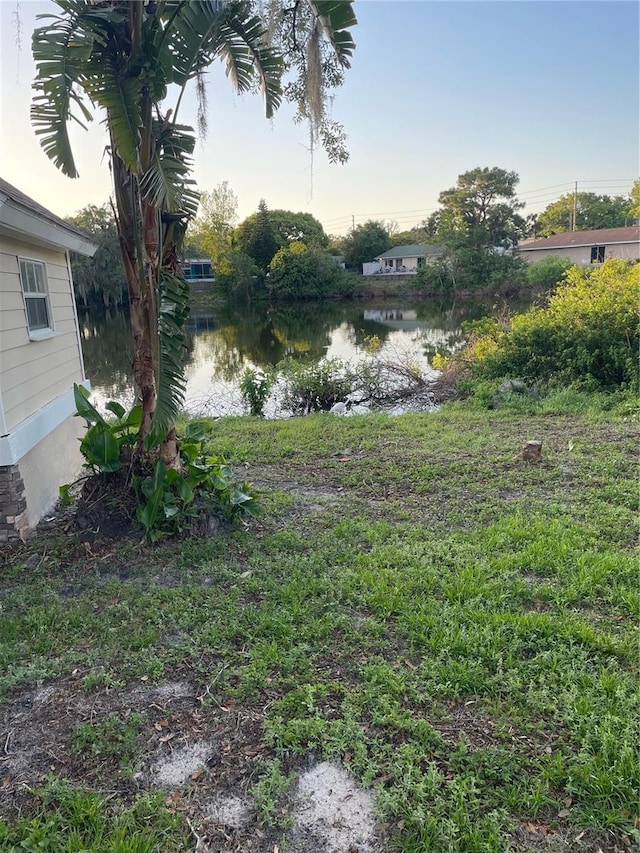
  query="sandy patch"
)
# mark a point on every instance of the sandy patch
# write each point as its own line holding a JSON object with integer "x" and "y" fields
{"x": 232, "y": 812}
{"x": 332, "y": 806}
{"x": 175, "y": 770}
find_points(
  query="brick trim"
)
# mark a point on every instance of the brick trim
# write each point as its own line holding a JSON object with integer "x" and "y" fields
{"x": 13, "y": 504}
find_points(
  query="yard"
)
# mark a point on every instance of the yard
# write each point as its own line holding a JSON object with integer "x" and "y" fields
{"x": 417, "y": 605}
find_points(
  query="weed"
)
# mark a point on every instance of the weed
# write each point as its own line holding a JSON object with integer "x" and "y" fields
{"x": 114, "y": 738}
{"x": 269, "y": 794}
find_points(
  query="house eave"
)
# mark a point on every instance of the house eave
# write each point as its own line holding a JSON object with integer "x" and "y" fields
{"x": 17, "y": 222}
{"x": 579, "y": 245}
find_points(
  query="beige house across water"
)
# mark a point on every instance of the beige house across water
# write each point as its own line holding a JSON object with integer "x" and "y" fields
{"x": 402, "y": 259}
{"x": 40, "y": 359}
{"x": 585, "y": 247}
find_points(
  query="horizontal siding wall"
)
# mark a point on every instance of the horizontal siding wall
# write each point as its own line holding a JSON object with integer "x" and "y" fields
{"x": 581, "y": 255}
{"x": 33, "y": 373}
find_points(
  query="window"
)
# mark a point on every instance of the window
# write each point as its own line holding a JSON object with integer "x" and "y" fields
{"x": 33, "y": 276}
{"x": 597, "y": 254}
{"x": 194, "y": 270}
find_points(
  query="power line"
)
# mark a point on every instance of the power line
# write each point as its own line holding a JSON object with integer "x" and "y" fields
{"x": 533, "y": 198}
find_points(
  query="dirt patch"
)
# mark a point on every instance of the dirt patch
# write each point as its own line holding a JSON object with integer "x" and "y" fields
{"x": 539, "y": 837}
{"x": 174, "y": 770}
{"x": 470, "y": 722}
{"x": 201, "y": 754}
{"x": 333, "y": 810}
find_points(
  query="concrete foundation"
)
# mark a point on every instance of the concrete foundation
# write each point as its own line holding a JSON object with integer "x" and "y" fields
{"x": 29, "y": 488}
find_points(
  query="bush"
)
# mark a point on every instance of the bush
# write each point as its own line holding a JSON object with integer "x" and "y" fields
{"x": 166, "y": 499}
{"x": 255, "y": 386}
{"x": 464, "y": 268}
{"x": 314, "y": 387}
{"x": 588, "y": 334}
{"x": 547, "y": 273}
{"x": 297, "y": 272}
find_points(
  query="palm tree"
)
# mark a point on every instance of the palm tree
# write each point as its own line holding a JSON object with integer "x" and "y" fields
{"x": 119, "y": 58}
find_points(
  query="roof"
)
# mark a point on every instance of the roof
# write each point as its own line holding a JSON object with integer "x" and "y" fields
{"x": 414, "y": 250}
{"x": 19, "y": 212}
{"x": 596, "y": 237}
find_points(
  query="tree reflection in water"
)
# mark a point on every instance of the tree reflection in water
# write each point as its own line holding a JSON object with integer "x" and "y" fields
{"x": 225, "y": 337}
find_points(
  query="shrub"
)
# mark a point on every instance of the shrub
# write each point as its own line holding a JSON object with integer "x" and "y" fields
{"x": 166, "y": 499}
{"x": 547, "y": 273}
{"x": 314, "y": 387}
{"x": 297, "y": 272}
{"x": 588, "y": 334}
{"x": 255, "y": 386}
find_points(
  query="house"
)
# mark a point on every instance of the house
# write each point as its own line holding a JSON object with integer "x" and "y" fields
{"x": 402, "y": 259}
{"x": 197, "y": 269}
{"x": 40, "y": 359}
{"x": 585, "y": 247}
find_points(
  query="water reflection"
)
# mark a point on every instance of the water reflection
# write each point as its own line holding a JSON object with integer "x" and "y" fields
{"x": 223, "y": 338}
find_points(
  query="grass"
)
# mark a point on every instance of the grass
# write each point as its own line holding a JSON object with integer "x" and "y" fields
{"x": 66, "y": 820}
{"x": 454, "y": 624}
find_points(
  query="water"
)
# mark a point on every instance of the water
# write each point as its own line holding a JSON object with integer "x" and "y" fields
{"x": 224, "y": 338}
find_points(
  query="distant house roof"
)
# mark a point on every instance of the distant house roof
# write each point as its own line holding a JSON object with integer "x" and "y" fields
{"x": 415, "y": 250}
{"x": 571, "y": 239}
{"x": 20, "y": 214}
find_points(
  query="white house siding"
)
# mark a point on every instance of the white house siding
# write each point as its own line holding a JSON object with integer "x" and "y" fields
{"x": 581, "y": 255}
{"x": 57, "y": 454}
{"x": 34, "y": 373}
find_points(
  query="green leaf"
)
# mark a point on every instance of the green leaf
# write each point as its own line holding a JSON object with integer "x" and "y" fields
{"x": 240, "y": 497}
{"x": 336, "y": 16}
{"x": 84, "y": 408}
{"x": 64, "y": 495}
{"x": 134, "y": 418}
{"x": 118, "y": 410}
{"x": 190, "y": 451}
{"x": 167, "y": 182}
{"x": 185, "y": 491}
{"x": 174, "y": 309}
{"x": 61, "y": 51}
{"x": 197, "y": 430}
{"x": 101, "y": 449}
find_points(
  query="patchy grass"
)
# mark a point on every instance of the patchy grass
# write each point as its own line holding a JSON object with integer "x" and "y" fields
{"x": 455, "y": 625}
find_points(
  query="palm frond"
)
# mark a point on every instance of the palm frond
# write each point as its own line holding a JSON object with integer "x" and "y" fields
{"x": 211, "y": 28}
{"x": 185, "y": 46}
{"x": 167, "y": 182}
{"x": 170, "y": 381}
{"x": 242, "y": 46}
{"x": 336, "y": 16}
{"x": 119, "y": 95}
{"x": 60, "y": 50}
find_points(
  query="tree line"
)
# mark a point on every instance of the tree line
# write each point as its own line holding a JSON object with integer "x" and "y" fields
{"x": 287, "y": 254}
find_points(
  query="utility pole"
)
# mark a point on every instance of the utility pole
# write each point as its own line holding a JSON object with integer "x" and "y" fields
{"x": 575, "y": 206}
{"x": 353, "y": 222}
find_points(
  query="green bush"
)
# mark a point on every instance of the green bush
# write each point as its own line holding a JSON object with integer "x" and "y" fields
{"x": 547, "y": 273}
{"x": 464, "y": 268}
{"x": 166, "y": 498}
{"x": 314, "y": 387}
{"x": 587, "y": 335}
{"x": 297, "y": 272}
{"x": 255, "y": 386}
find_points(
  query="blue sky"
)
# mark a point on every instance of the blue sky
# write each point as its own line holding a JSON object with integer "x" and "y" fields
{"x": 547, "y": 89}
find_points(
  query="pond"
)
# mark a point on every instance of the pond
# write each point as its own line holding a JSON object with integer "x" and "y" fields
{"x": 224, "y": 338}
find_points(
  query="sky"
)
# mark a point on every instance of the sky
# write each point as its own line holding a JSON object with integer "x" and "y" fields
{"x": 547, "y": 89}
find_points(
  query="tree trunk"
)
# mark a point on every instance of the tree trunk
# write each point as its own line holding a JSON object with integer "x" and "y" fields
{"x": 128, "y": 223}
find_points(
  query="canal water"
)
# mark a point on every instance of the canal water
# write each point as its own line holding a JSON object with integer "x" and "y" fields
{"x": 224, "y": 338}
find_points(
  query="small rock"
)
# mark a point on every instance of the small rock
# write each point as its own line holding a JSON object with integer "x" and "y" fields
{"x": 532, "y": 450}
{"x": 516, "y": 385}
